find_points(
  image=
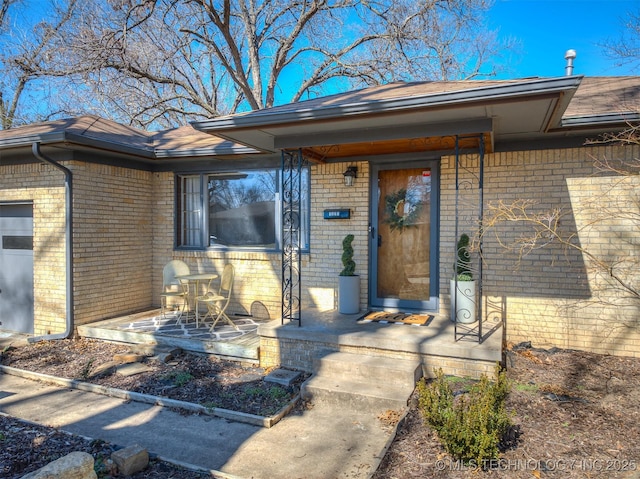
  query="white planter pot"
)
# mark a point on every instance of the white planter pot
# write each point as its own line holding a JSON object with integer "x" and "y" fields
{"x": 464, "y": 301}
{"x": 349, "y": 294}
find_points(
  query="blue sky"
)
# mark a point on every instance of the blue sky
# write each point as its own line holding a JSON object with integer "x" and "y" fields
{"x": 546, "y": 29}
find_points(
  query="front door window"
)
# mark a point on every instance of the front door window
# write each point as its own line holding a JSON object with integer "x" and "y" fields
{"x": 402, "y": 249}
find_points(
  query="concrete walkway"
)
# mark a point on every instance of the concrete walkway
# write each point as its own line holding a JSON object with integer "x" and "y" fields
{"x": 321, "y": 442}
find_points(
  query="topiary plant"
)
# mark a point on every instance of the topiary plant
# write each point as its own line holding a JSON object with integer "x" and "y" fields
{"x": 463, "y": 263}
{"x": 347, "y": 257}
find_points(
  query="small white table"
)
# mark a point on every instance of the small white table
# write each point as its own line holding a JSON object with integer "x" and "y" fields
{"x": 196, "y": 280}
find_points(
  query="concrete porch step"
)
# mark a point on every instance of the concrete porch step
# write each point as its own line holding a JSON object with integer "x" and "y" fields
{"x": 362, "y": 367}
{"x": 362, "y": 382}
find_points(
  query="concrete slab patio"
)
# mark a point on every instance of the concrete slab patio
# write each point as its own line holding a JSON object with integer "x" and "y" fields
{"x": 150, "y": 327}
{"x": 319, "y": 331}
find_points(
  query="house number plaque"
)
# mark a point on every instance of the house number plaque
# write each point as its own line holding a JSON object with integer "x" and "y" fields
{"x": 337, "y": 214}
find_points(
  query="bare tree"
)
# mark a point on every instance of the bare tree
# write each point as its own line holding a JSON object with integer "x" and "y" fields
{"x": 25, "y": 51}
{"x": 4, "y": 106}
{"x": 626, "y": 49}
{"x": 600, "y": 227}
{"x": 160, "y": 63}
{"x": 4, "y": 8}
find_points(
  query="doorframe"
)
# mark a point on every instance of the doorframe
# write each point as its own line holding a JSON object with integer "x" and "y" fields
{"x": 391, "y": 304}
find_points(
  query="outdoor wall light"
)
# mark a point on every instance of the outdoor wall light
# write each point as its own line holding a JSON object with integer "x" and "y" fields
{"x": 350, "y": 175}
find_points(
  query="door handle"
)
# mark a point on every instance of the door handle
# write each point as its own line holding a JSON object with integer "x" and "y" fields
{"x": 379, "y": 241}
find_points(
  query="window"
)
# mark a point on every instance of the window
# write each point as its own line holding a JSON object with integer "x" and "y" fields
{"x": 235, "y": 210}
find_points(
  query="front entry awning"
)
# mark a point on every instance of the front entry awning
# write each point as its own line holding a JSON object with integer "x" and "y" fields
{"x": 404, "y": 118}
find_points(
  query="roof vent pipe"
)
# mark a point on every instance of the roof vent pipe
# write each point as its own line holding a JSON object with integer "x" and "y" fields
{"x": 68, "y": 176}
{"x": 570, "y": 55}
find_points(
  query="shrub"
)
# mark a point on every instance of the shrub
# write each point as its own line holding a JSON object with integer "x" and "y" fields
{"x": 179, "y": 378}
{"x": 463, "y": 264}
{"x": 472, "y": 425}
{"x": 347, "y": 257}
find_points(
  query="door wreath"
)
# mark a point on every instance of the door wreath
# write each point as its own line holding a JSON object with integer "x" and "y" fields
{"x": 400, "y": 213}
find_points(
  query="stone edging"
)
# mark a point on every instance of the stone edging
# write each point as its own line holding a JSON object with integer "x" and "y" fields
{"x": 252, "y": 419}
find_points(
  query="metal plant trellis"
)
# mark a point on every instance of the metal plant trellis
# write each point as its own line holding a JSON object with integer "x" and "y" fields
{"x": 470, "y": 198}
{"x": 292, "y": 163}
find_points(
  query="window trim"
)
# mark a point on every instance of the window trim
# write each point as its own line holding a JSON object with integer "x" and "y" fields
{"x": 178, "y": 233}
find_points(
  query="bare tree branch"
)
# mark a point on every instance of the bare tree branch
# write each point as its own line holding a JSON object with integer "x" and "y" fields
{"x": 165, "y": 62}
{"x": 626, "y": 49}
{"x": 611, "y": 217}
{"x": 20, "y": 65}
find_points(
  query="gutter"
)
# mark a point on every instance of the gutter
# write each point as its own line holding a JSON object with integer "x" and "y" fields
{"x": 623, "y": 118}
{"x": 277, "y": 117}
{"x": 68, "y": 176}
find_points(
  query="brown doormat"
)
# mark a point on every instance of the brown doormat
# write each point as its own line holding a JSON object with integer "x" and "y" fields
{"x": 404, "y": 318}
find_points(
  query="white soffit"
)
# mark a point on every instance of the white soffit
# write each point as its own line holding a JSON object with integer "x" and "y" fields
{"x": 516, "y": 111}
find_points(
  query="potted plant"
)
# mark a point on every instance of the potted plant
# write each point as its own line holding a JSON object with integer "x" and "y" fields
{"x": 463, "y": 286}
{"x": 349, "y": 282}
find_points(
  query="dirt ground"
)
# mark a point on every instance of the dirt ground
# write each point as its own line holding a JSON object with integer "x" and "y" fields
{"x": 576, "y": 414}
{"x": 194, "y": 378}
{"x": 199, "y": 379}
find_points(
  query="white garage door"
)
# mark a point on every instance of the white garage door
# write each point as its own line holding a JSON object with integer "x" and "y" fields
{"x": 16, "y": 267}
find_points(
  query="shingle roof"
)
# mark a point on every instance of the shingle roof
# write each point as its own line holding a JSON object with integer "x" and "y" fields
{"x": 89, "y": 128}
{"x": 595, "y": 95}
{"x": 604, "y": 95}
{"x": 368, "y": 96}
{"x": 188, "y": 140}
{"x": 389, "y": 91}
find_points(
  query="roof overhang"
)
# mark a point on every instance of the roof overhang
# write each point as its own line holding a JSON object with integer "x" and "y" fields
{"x": 512, "y": 111}
{"x": 144, "y": 155}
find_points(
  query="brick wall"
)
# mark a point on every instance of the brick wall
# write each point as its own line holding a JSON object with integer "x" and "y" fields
{"x": 548, "y": 297}
{"x": 112, "y": 232}
{"x": 257, "y": 289}
{"x": 325, "y": 261}
{"x": 299, "y": 354}
{"x": 554, "y": 296}
{"x": 44, "y": 186}
{"x": 557, "y": 296}
{"x": 162, "y": 205}
{"x": 112, "y": 241}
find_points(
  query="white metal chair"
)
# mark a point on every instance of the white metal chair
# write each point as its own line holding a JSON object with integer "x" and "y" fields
{"x": 173, "y": 287}
{"x": 217, "y": 302}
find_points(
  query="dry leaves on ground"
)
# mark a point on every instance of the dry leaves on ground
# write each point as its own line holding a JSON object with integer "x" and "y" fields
{"x": 577, "y": 414}
{"x": 26, "y": 447}
{"x": 196, "y": 378}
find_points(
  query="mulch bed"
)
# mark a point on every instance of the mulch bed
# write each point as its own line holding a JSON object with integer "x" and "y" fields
{"x": 195, "y": 378}
{"x": 577, "y": 414}
{"x": 200, "y": 379}
{"x": 26, "y": 447}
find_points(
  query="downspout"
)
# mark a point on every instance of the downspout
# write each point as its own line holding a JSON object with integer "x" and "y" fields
{"x": 68, "y": 193}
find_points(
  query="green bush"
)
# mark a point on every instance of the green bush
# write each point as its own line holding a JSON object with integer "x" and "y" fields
{"x": 472, "y": 425}
{"x": 463, "y": 264}
{"x": 347, "y": 257}
{"x": 178, "y": 378}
